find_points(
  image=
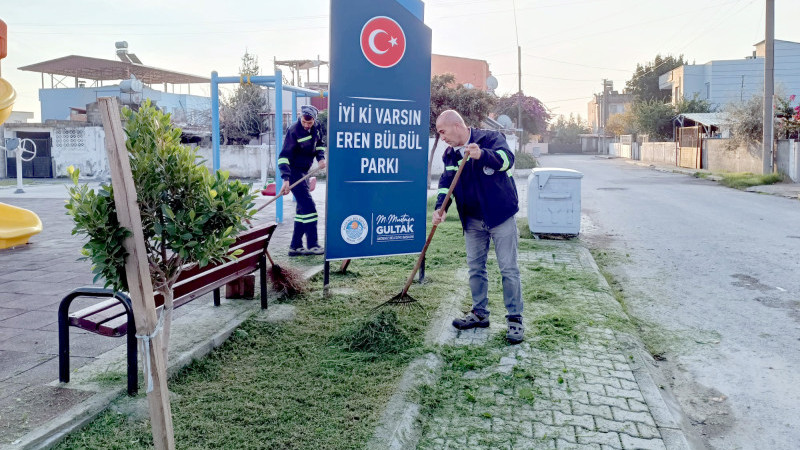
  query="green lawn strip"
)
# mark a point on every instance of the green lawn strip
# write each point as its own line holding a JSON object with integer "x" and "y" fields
{"x": 746, "y": 180}
{"x": 561, "y": 309}
{"x": 319, "y": 381}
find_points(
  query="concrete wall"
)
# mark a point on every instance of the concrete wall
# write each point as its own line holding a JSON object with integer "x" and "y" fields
{"x": 81, "y": 147}
{"x": 722, "y": 159}
{"x": 788, "y": 159}
{"x": 659, "y": 152}
{"x": 242, "y": 161}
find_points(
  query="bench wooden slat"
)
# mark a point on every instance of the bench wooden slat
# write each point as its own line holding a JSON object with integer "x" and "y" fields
{"x": 201, "y": 284}
{"x": 115, "y": 327}
{"x": 93, "y": 309}
{"x": 92, "y": 322}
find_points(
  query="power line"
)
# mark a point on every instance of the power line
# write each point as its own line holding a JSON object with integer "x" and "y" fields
{"x": 574, "y": 63}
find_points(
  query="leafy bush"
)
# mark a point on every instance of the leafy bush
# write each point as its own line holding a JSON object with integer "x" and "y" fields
{"x": 188, "y": 215}
{"x": 524, "y": 160}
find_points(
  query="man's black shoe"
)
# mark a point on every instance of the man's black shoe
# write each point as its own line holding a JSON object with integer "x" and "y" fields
{"x": 471, "y": 320}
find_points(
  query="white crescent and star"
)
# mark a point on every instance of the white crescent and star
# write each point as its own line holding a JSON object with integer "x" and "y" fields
{"x": 375, "y": 33}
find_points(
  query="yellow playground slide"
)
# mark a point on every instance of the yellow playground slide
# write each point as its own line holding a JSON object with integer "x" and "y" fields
{"x": 7, "y": 97}
{"x": 17, "y": 225}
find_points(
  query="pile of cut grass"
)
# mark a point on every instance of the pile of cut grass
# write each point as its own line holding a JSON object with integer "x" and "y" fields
{"x": 319, "y": 381}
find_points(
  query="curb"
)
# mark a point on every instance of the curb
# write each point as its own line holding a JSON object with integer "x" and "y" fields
{"x": 664, "y": 410}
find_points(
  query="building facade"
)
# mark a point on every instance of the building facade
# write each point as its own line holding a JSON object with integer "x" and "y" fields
{"x": 468, "y": 71}
{"x": 725, "y": 81}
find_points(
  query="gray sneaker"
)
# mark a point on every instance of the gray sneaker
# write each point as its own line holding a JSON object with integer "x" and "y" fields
{"x": 471, "y": 320}
{"x": 315, "y": 250}
{"x": 516, "y": 332}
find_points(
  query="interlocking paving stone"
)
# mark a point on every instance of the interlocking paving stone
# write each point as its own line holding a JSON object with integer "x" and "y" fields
{"x": 584, "y": 396}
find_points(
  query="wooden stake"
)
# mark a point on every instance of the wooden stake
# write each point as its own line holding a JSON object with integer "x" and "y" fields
{"x": 137, "y": 271}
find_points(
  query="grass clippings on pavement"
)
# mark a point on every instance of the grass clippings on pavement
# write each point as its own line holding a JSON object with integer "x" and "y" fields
{"x": 320, "y": 381}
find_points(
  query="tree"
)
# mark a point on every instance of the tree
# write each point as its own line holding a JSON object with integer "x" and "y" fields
{"x": 240, "y": 118}
{"x": 644, "y": 83}
{"x": 788, "y": 124}
{"x": 188, "y": 215}
{"x": 695, "y": 105}
{"x": 745, "y": 120}
{"x": 474, "y": 105}
{"x": 568, "y": 131}
{"x": 654, "y": 118}
{"x": 622, "y": 123}
{"x": 535, "y": 116}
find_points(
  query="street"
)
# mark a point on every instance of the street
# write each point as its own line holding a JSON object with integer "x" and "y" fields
{"x": 715, "y": 272}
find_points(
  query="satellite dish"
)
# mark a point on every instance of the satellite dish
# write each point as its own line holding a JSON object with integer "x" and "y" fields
{"x": 505, "y": 121}
{"x": 491, "y": 82}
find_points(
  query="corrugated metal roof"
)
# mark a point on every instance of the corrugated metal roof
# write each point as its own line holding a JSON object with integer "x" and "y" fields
{"x": 108, "y": 69}
{"x": 715, "y": 118}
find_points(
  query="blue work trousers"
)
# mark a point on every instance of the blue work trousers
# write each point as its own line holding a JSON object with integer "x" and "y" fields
{"x": 506, "y": 239}
{"x": 305, "y": 218}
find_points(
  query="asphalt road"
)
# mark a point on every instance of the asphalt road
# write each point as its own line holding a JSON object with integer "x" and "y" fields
{"x": 717, "y": 271}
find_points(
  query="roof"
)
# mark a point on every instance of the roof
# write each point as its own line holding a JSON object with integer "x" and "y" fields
{"x": 109, "y": 69}
{"x": 714, "y": 119}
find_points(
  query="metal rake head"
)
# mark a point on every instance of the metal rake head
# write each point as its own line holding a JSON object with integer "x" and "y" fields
{"x": 402, "y": 300}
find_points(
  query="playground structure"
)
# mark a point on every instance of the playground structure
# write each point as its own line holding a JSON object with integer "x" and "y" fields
{"x": 17, "y": 225}
{"x": 273, "y": 81}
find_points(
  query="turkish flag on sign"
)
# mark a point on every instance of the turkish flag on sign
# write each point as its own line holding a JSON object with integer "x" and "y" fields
{"x": 383, "y": 42}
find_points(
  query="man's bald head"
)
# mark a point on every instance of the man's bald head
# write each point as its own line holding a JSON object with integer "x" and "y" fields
{"x": 450, "y": 117}
{"x": 452, "y": 129}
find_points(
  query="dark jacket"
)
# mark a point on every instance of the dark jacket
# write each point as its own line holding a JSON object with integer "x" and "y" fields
{"x": 300, "y": 147}
{"x": 486, "y": 187}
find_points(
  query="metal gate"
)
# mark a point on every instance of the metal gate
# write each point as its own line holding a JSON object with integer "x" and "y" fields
{"x": 689, "y": 147}
{"x": 41, "y": 166}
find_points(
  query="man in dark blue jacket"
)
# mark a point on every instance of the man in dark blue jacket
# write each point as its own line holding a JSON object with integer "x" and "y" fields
{"x": 303, "y": 143}
{"x": 486, "y": 199}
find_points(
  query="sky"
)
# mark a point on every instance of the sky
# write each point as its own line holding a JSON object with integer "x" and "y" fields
{"x": 568, "y": 46}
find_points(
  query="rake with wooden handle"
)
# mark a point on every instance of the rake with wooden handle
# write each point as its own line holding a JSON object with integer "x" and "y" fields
{"x": 403, "y": 299}
{"x": 286, "y": 280}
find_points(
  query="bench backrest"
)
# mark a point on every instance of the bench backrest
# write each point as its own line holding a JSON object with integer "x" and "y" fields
{"x": 197, "y": 281}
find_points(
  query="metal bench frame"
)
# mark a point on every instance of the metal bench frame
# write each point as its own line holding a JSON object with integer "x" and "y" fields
{"x": 109, "y": 320}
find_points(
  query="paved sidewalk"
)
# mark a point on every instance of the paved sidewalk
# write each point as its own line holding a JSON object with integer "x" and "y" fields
{"x": 788, "y": 190}
{"x": 593, "y": 395}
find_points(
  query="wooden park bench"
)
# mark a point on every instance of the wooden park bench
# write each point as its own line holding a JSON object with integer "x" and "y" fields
{"x": 113, "y": 314}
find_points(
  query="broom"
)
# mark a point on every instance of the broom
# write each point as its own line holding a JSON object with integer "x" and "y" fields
{"x": 286, "y": 280}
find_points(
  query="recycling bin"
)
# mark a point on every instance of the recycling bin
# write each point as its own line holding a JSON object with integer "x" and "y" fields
{"x": 554, "y": 201}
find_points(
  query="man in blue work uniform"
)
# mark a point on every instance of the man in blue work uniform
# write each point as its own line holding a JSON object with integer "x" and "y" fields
{"x": 303, "y": 143}
{"x": 486, "y": 199}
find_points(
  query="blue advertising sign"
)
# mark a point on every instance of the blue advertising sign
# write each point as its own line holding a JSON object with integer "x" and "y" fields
{"x": 379, "y": 112}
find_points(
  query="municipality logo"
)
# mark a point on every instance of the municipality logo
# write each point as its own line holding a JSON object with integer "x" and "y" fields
{"x": 383, "y": 42}
{"x": 354, "y": 229}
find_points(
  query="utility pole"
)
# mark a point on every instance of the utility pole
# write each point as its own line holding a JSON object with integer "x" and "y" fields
{"x": 604, "y": 110}
{"x": 519, "y": 98}
{"x": 769, "y": 87}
